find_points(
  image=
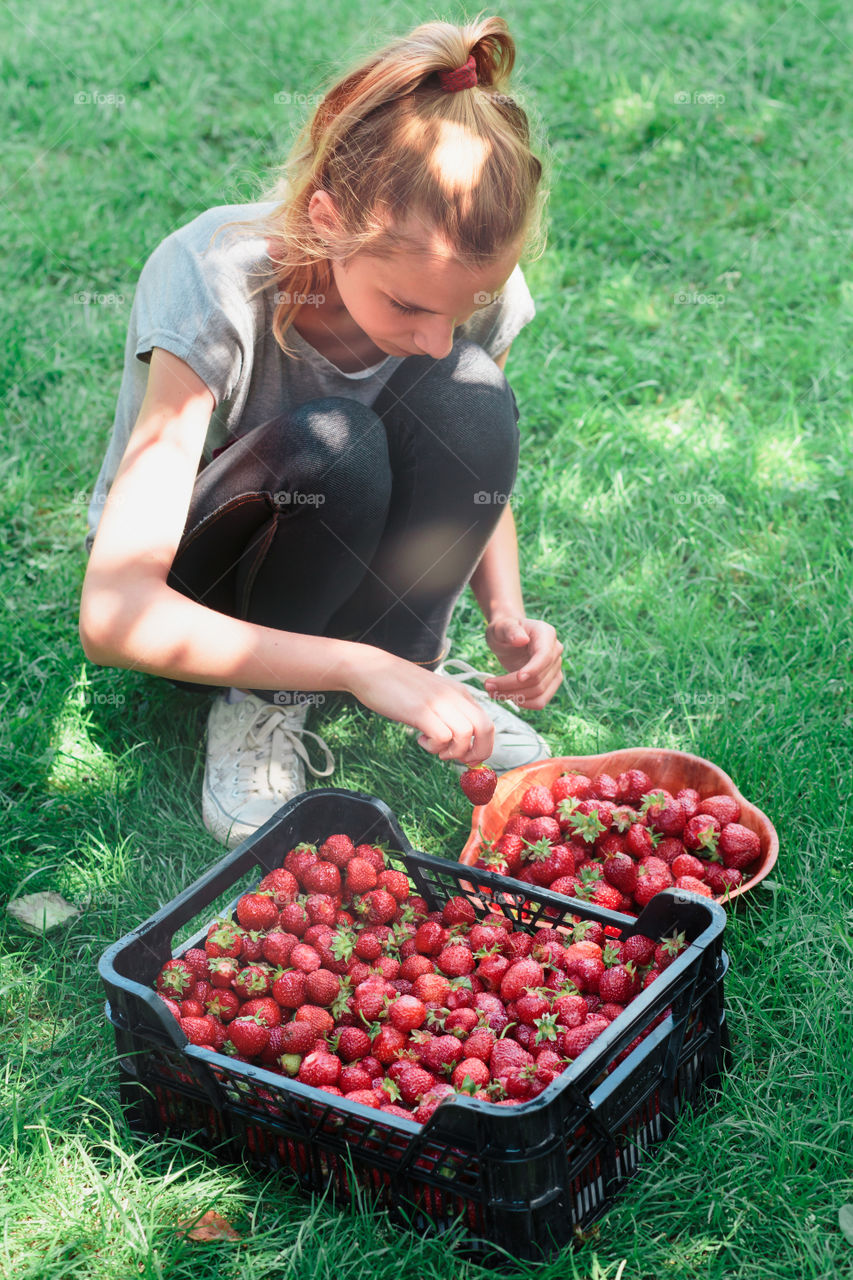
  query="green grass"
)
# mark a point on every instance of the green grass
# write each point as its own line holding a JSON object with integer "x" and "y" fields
{"x": 684, "y": 505}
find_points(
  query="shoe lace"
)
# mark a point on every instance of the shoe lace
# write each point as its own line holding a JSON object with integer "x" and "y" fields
{"x": 265, "y": 742}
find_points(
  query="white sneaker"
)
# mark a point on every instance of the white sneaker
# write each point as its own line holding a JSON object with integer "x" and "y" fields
{"x": 516, "y": 743}
{"x": 254, "y": 764}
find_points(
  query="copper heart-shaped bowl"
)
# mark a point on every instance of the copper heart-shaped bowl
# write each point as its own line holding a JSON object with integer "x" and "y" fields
{"x": 670, "y": 769}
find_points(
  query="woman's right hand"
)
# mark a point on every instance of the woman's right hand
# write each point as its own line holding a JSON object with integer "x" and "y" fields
{"x": 450, "y": 722}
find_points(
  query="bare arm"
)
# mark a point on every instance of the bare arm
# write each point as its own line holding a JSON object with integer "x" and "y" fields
{"x": 130, "y": 617}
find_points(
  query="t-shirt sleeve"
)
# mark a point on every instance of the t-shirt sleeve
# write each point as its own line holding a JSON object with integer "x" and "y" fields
{"x": 495, "y": 326}
{"x": 187, "y": 302}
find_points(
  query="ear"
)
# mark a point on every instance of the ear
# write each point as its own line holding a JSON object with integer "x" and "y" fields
{"x": 324, "y": 215}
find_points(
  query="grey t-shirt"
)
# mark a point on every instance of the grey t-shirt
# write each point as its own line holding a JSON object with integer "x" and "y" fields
{"x": 192, "y": 299}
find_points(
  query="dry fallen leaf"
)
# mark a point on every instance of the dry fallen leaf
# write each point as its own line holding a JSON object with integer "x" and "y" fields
{"x": 211, "y": 1226}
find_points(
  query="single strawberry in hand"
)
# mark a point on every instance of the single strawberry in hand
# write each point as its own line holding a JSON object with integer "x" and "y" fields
{"x": 479, "y": 783}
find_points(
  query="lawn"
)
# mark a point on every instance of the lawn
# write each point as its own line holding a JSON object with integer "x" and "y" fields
{"x": 684, "y": 511}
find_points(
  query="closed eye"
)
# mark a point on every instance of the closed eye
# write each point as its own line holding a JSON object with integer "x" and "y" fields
{"x": 408, "y": 311}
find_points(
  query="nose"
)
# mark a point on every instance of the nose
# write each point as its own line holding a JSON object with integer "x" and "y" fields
{"x": 435, "y": 340}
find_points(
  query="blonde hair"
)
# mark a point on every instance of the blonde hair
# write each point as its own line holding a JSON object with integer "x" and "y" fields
{"x": 376, "y": 143}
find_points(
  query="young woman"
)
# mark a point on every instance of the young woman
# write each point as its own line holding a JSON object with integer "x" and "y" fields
{"x": 315, "y": 442}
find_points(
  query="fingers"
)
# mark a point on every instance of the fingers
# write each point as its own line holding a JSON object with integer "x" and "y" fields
{"x": 457, "y": 728}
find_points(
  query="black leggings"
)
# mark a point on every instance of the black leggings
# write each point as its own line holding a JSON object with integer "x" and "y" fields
{"x": 364, "y": 524}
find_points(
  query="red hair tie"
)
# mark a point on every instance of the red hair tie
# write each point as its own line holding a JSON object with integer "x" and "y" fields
{"x": 464, "y": 77}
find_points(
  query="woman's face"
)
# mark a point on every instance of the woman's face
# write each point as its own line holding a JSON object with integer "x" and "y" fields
{"x": 410, "y": 304}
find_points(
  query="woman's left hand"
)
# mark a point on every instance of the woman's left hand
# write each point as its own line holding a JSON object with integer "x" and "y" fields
{"x": 529, "y": 650}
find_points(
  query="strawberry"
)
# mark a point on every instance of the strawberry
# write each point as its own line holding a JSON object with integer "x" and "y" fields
{"x": 374, "y": 854}
{"x": 320, "y": 1020}
{"x": 354, "y": 1077}
{"x": 322, "y": 987}
{"x": 667, "y": 950}
{"x": 571, "y": 1010}
{"x": 338, "y": 849}
{"x": 293, "y": 918}
{"x": 605, "y": 786}
{"x": 297, "y": 1037}
{"x": 519, "y": 978}
{"x": 691, "y": 885}
{"x": 516, "y": 825}
{"x": 388, "y": 1043}
{"x": 223, "y": 971}
{"x": 543, "y": 828}
{"x": 619, "y": 984}
{"x": 470, "y": 1074}
{"x": 632, "y": 785}
{"x": 413, "y": 966}
{"x": 282, "y": 884}
{"x": 432, "y": 988}
{"x": 277, "y": 947}
{"x": 648, "y": 884}
{"x": 639, "y": 949}
{"x": 722, "y": 879}
{"x": 176, "y": 979}
{"x": 690, "y": 801}
{"x": 550, "y": 862}
{"x": 352, "y": 1043}
{"x": 701, "y": 832}
{"x": 322, "y": 877}
{"x": 300, "y": 857}
{"x": 361, "y": 876}
{"x": 257, "y": 911}
{"x": 431, "y": 937}
{"x": 199, "y": 962}
{"x": 366, "y": 1097}
{"x": 669, "y": 849}
{"x": 396, "y": 883}
{"x": 407, "y": 1013}
{"x": 569, "y": 785}
{"x": 479, "y": 782}
{"x": 458, "y": 911}
{"x": 431, "y": 1100}
{"x": 440, "y": 1054}
{"x": 370, "y": 998}
{"x": 686, "y": 865}
{"x": 198, "y": 1030}
{"x": 590, "y": 820}
{"x": 668, "y": 818}
{"x": 381, "y": 906}
{"x": 724, "y": 808}
{"x": 288, "y": 990}
{"x": 321, "y": 908}
{"x": 621, "y": 871}
{"x": 173, "y": 1008}
{"x": 739, "y": 846}
{"x": 223, "y": 939}
{"x": 461, "y": 1022}
{"x": 510, "y": 848}
{"x": 580, "y": 1038}
{"x": 223, "y": 1005}
{"x": 638, "y": 841}
{"x": 455, "y": 960}
{"x": 248, "y": 1036}
{"x": 491, "y": 970}
{"x": 319, "y": 1069}
{"x": 537, "y": 802}
{"x": 265, "y": 1008}
{"x": 505, "y": 1055}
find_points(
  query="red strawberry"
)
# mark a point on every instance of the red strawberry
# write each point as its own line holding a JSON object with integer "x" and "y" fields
{"x": 198, "y": 1030}
{"x": 431, "y": 1100}
{"x": 319, "y": 1019}
{"x": 277, "y": 947}
{"x": 300, "y": 857}
{"x": 669, "y": 849}
{"x": 739, "y": 846}
{"x": 223, "y": 939}
{"x": 440, "y": 1054}
{"x": 571, "y": 1010}
{"x": 507, "y": 1054}
{"x": 491, "y": 970}
{"x": 319, "y": 1069}
{"x": 667, "y": 950}
{"x": 370, "y": 997}
{"x": 520, "y": 977}
{"x": 537, "y": 802}
{"x": 493, "y": 1013}
{"x": 223, "y": 1005}
{"x": 639, "y": 949}
{"x": 619, "y": 984}
{"x": 638, "y": 841}
{"x": 381, "y": 905}
{"x": 455, "y": 960}
{"x": 338, "y": 849}
{"x": 690, "y": 801}
{"x": 374, "y": 854}
{"x": 571, "y": 784}
{"x": 289, "y": 989}
{"x": 322, "y": 877}
{"x": 361, "y": 876}
{"x": 550, "y": 862}
{"x": 282, "y": 884}
{"x": 431, "y": 937}
{"x": 632, "y": 785}
{"x": 723, "y": 808}
{"x": 648, "y": 884}
{"x": 354, "y": 1077}
{"x": 199, "y": 961}
{"x": 691, "y": 885}
{"x": 668, "y": 818}
{"x": 604, "y": 786}
{"x": 265, "y": 1008}
{"x": 388, "y": 1043}
{"x": 479, "y": 782}
{"x": 413, "y": 966}
{"x": 322, "y": 987}
{"x": 432, "y": 988}
{"x": 407, "y": 1013}
{"x": 580, "y": 1038}
{"x": 176, "y": 979}
{"x": 257, "y": 911}
{"x": 352, "y": 1043}
{"x": 722, "y": 879}
{"x": 248, "y": 1036}
{"x": 686, "y": 865}
{"x": 396, "y": 883}
{"x": 621, "y": 871}
{"x": 458, "y": 911}
{"x": 293, "y": 918}
{"x": 298, "y": 1037}
{"x": 322, "y": 908}
{"x": 701, "y": 832}
{"x": 470, "y": 1074}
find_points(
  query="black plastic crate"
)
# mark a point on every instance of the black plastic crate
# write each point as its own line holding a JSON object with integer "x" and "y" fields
{"x": 526, "y": 1178}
